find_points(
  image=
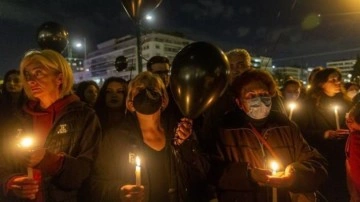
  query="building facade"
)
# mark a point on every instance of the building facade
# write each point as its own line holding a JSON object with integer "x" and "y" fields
{"x": 345, "y": 67}
{"x": 100, "y": 64}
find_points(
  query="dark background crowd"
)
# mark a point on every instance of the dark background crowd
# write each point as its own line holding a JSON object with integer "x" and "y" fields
{"x": 86, "y": 137}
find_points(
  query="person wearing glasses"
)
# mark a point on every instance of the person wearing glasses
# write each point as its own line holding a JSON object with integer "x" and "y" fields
{"x": 160, "y": 66}
{"x": 57, "y": 138}
{"x": 252, "y": 138}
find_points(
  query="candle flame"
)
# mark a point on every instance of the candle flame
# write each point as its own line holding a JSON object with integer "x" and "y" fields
{"x": 274, "y": 167}
{"x": 137, "y": 161}
{"x": 26, "y": 142}
{"x": 292, "y": 105}
{"x": 336, "y": 107}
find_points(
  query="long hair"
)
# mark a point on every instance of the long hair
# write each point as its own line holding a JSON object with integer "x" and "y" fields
{"x": 53, "y": 61}
{"x": 316, "y": 91}
{"x": 6, "y": 98}
{"x": 100, "y": 104}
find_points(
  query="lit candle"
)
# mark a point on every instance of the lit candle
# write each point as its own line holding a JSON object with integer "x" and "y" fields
{"x": 137, "y": 172}
{"x": 274, "y": 167}
{"x": 27, "y": 142}
{"x": 336, "y": 117}
{"x": 292, "y": 106}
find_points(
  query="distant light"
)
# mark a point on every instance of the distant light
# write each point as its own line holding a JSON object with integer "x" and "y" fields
{"x": 349, "y": 76}
{"x": 78, "y": 45}
{"x": 319, "y": 15}
{"x": 149, "y": 17}
{"x": 273, "y": 66}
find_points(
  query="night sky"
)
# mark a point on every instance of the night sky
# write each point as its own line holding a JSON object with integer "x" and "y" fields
{"x": 290, "y": 31}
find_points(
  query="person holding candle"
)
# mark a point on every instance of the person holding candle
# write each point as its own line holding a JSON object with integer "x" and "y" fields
{"x": 171, "y": 167}
{"x": 321, "y": 118}
{"x": 251, "y": 137}
{"x": 291, "y": 93}
{"x": 66, "y": 134}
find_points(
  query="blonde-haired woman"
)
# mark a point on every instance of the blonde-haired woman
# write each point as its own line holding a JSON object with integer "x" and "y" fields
{"x": 65, "y": 135}
{"x": 168, "y": 158}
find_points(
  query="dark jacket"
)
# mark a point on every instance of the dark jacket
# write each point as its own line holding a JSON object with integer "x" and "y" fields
{"x": 212, "y": 117}
{"x": 239, "y": 148}
{"x": 186, "y": 169}
{"x": 76, "y": 133}
{"x": 314, "y": 120}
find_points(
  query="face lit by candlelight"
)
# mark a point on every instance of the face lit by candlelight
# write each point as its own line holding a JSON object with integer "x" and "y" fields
{"x": 333, "y": 85}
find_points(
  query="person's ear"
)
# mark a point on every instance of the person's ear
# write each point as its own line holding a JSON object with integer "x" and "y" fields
{"x": 130, "y": 106}
{"x": 59, "y": 79}
{"x": 239, "y": 103}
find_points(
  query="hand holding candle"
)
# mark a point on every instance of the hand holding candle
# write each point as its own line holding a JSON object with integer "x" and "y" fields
{"x": 274, "y": 168}
{"x": 137, "y": 172}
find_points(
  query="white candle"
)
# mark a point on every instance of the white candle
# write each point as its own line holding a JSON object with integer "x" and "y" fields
{"x": 336, "y": 117}
{"x": 292, "y": 107}
{"x": 137, "y": 172}
{"x": 274, "y": 167}
{"x": 30, "y": 173}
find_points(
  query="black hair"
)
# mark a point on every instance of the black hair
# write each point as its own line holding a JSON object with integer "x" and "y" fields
{"x": 156, "y": 59}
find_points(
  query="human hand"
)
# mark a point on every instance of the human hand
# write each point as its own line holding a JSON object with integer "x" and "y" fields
{"x": 132, "y": 193}
{"x": 24, "y": 187}
{"x": 282, "y": 180}
{"x": 336, "y": 134}
{"x": 260, "y": 176}
{"x": 183, "y": 131}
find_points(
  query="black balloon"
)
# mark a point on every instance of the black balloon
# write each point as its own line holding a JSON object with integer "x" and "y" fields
{"x": 199, "y": 76}
{"x": 52, "y": 35}
{"x": 137, "y": 9}
{"x": 121, "y": 63}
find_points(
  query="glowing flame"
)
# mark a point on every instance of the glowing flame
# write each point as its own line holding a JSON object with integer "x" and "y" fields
{"x": 26, "y": 142}
{"x": 274, "y": 167}
{"x": 292, "y": 105}
{"x": 137, "y": 161}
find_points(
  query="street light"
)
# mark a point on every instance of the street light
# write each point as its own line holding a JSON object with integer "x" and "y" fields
{"x": 82, "y": 45}
{"x": 138, "y": 26}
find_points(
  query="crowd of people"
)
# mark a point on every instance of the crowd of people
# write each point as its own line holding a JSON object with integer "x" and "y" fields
{"x": 128, "y": 141}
